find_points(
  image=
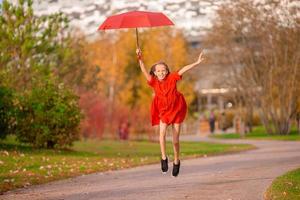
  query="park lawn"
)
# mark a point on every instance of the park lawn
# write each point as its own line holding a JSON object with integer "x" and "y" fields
{"x": 22, "y": 165}
{"x": 286, "y": 186}
{"x": 259, "y": 133}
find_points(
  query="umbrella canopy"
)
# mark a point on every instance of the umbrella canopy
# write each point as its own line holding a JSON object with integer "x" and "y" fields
{"x": 135, "y": 19}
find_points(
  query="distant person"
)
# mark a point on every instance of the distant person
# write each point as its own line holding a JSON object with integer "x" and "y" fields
{"x": 124, "y": 130}
{"x": 211, "y": 121}
{"x": 168, "y": 106}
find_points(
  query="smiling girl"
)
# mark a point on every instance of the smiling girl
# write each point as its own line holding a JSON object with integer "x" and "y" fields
{"x": 168, "y": 105}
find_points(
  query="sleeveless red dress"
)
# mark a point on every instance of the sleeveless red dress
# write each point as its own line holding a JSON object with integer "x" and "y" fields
{"x": 168, "y": 105}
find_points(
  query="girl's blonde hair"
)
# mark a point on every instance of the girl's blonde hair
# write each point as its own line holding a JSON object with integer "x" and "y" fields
{"x": 159, "y": 63}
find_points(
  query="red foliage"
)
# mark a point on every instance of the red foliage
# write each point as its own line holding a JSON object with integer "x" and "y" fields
{"x": 97, "y": 119}
{"x": 94, "y": 109}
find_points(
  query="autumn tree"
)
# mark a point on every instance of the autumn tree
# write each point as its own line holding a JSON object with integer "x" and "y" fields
{"x": 259, "y": 42}
{"x": 110, "y": 55}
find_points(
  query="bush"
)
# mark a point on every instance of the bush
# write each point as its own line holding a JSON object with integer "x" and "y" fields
{"x": 49, "y": 116}
{"x": 225, "y": 119}
{"x": 7, "y": 111}
{"x": 256, "y": 121}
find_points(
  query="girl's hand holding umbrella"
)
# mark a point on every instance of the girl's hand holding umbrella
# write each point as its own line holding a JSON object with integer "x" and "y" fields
{"x": 138, "y": 53}
{"x": 141, "y": 63}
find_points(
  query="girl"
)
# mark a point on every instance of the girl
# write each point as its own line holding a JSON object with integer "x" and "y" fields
{"x": 168, "y": 106}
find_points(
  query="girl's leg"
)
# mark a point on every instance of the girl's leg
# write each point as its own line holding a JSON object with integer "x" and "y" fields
{"x": 176, "y": 147}
{"x": 162, "y": 139}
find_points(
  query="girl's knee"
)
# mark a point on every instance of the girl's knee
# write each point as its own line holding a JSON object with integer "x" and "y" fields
{"x": 175, "y": 142}
{"x": 176, "y": 134}
{"x": 162, "y": 136}
{"x": 163, "y": 132}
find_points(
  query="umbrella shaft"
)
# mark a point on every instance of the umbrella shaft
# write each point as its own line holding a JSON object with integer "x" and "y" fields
{"x": 137, "y": 38}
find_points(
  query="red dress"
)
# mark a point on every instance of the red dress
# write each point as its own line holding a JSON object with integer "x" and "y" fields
{"x": 168, "y": 105}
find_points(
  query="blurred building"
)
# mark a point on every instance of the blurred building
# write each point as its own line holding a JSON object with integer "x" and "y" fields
{"x": 193, "y": 16}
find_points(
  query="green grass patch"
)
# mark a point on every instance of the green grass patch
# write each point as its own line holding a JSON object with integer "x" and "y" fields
{"x": 285, "y": 187}
{"x": 259, "y": 133}
{"x": 22, "y": 165}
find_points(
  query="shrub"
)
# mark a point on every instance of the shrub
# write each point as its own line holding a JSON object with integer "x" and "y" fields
{"x": 49, "y": 116}
{"x": 7, "y": 111}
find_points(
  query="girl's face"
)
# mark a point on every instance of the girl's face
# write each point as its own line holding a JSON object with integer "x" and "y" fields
{"x": 160, "y": 71}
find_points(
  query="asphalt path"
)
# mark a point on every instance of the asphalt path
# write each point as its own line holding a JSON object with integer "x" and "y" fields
{"x": 240, "y": 176}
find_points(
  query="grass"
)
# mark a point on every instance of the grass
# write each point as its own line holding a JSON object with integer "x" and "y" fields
{"x": 285, "y": 187}
{"x": 259, "y": 133}
{"x": 22, "y": 165}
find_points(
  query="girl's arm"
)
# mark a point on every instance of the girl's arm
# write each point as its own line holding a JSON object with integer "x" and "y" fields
{"x": 188, "y": 67}
{"x": 142, "y": 66}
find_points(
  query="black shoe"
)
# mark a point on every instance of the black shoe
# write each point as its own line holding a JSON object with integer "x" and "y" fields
{"x": 176, "y": 168}
{"x": 164, "y": 165}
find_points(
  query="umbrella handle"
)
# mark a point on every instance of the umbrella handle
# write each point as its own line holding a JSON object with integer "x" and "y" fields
{"x": 137, "y": 38}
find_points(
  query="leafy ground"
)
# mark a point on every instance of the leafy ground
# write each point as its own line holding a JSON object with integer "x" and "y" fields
{"x": 22, "y": 165}
{"x": 259, "y": 133}
{"x": 285, "y": 187}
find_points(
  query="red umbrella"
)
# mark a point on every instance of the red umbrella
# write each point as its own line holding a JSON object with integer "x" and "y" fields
{"x": 135, "y": 19}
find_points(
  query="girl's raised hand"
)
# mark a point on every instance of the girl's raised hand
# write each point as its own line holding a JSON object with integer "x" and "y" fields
{"x": 201, "y": 58}
{"x": 190, "y": 66}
